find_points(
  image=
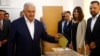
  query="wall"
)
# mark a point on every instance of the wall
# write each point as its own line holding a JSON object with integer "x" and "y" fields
{"x": 86, "y": 8}
{"x": 85, "y": 4}
{"x": 17, "y": 5}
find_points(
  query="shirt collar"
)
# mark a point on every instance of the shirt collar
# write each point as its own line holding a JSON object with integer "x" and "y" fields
{"x": 26, "y": 19}
{"x": 96, "y": 16}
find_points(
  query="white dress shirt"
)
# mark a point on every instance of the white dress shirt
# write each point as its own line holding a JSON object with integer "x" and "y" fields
{"x": 63, "y": 22}
{"x": 30, "y": 26}
{"x": 94, "y": 21}
{"x": 63, "y": 25}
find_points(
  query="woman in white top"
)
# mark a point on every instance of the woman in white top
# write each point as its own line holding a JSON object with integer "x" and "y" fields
{"x": 78, "y": 30}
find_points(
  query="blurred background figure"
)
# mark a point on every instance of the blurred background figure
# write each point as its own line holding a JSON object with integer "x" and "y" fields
{"x": 4, "y": 31}
{"x": 63, "y": 15}
{"x": 21, "y": 14}
{"x": 61, "y": 23}
{"x": 41, "y": 19}
{"x": 42, "y": 42}
{"x": 6, "y": 16}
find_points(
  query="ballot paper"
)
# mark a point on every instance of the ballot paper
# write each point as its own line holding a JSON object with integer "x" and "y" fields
{"x": 63, "y": 41}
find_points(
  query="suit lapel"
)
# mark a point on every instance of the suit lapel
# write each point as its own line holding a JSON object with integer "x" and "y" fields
{"x": 96, "y": 23}
{"x": 3, "y": 25}
{"x": 90, "y": 24}
{"x": 70, "y": 22}
{"x": 35, "y": 29}
{"x": 25, "y": 28}
{"x": 61, "y": 25}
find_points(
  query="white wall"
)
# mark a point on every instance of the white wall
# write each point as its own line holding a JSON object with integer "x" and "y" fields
{"x": 86, "y": 8}
{"x": 78, "y": 3}
{"x": 85, "y": 4}
{"x": 17, "y": 5}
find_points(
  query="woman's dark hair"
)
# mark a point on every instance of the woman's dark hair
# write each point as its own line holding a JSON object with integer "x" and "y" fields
{"x": 80, "y": 12}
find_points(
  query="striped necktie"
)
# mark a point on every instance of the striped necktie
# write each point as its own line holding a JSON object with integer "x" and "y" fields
{"x": 65, "y": 25}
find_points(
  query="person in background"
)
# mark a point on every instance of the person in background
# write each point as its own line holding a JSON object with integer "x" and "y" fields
{"x": 21, "y": 13}
{"x": 4, "y": 31}
{"x": 26, "y": 33}
{"x": 60, "y": 24}
{"x": 67, "y": 26}
{"x": 42, "y": 21}
{"x": 42, "y": 42}
{"x": 78, "y": 30}
{"x": 6, "y": 16}
{"x": 93, "y": 30}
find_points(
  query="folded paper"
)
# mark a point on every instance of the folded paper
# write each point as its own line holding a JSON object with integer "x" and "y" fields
{"x": 63, "y": 41}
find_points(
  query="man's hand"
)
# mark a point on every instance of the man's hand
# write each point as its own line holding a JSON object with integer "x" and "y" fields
{"x": 92, "y": 45}
{"x": 70, "y": 46}
{"x": 57, "y": 37}
{"x": 4, "y": 41}
{"x": 0, "y": 43}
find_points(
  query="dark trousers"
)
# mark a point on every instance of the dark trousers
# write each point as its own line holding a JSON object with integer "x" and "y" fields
{"x": 95, "y": 52}
{"x": 3, "y": 50}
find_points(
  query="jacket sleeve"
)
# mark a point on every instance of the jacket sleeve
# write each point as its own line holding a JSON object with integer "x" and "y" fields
{"x": 11, "y": 40}
{"x": 81, "y": 34}
{"x": 83, "y": 30}
{"x": 47, "y": 37}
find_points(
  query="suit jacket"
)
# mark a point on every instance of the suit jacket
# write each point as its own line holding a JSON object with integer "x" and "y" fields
{"x": 60, "y": 26}
{"x": 25, "y": 45}
{"x": 93, "y": 36}
{"x": 67, "y": 32}
{"x": 5, "y": 30}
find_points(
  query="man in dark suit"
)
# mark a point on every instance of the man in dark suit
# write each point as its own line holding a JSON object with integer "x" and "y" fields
{"x": 4, "y": 31}
{"x": 60, "y": 23}
{"x": 67, "y": 26}
{"x": 93, "y": 29}
{"x": 64, "y": 26}
{"x": 26, "y": 33}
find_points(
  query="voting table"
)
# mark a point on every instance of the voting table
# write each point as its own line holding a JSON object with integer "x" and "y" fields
{"x": 62, "y": 52}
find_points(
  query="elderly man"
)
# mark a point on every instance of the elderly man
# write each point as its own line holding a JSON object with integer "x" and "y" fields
{"x": 26, "y": 33}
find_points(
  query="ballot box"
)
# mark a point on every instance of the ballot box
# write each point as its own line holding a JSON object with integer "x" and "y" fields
{"x": 62, "y": 52}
